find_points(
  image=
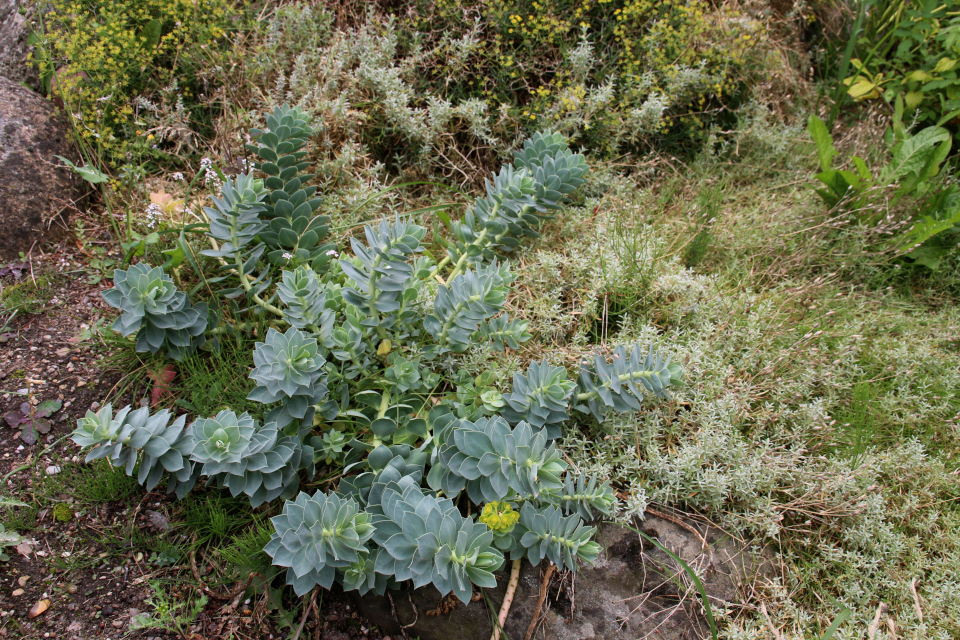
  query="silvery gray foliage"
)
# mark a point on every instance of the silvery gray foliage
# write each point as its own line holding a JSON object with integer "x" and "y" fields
{"x": 288, "y": 367}
{"x": 235, "y": 217}
{"x": 502, "y": 332}
{"x": 235, "y": 222}
{"x": 547, "y": 533}
{"x": 156, "y": 312}
{"x": 300, "y": 292}
{"x": 246, "y": 458}
{"x": 368, "y": 350}
{"x": 132, "y": 436}
{"x": 543, "y": 174}
{"x": 382, "y": 272}
{"x": 315, "y": 535}
{"x": 285, "y": 365}
{"x": 540, "y": 397}
{"x": 294, "y": 233}
{"x": 490, "y": 460}
{"x": 619, "y": 384}
{"x": 464, "y": 303}
{"x": 267, "y": 469}
{"x": 556, "y": 171}
{"x": 222, "y": 439}
{"x": 425, "y": 539}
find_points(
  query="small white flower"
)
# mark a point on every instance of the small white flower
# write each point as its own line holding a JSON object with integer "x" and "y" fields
{"x": 154, "y": 215}
{"x": 178, "y": 176}
{"x": 332, "y": 253}
{"x": 286, "y": 256}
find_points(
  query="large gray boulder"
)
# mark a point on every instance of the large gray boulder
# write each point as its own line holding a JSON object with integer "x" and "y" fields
{"x": 36, "y": 192}
{"x": 634, "y": 590}
{"x": 14, "y": 31}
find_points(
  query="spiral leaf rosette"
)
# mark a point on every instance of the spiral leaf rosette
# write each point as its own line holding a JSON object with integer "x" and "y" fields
{"x": 131, "y": 436}
{"x": 223, "y": 438}
{"x": 315, "y": 535}
{"x": 286, "y": 364}
{"x": 155, "y": 311}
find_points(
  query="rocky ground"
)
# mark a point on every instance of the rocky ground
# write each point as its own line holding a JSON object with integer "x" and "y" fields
{"x": 80, "y": 571}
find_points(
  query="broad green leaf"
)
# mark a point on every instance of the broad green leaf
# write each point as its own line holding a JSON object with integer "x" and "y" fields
{"x": 913, "y": 99}
{"x": 945, "y": 64}
{"x": 919, "y": 76}
{"x": 930, "y": 168}
{"x": 47, "y": 408}
{"x": 927, "y": 227}
{"x": 914, "y": 153}
{"x": 175, "y": 256}
{"x": 862, "y": 169}
{"x": 821, "y": 137}
{"x": 863, "y": 89}
{"x": 150, "y": 35}
{"x": 88, "y": 173}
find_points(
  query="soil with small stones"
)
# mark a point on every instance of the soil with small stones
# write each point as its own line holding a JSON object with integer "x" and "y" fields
{"x": 83, "y": 563}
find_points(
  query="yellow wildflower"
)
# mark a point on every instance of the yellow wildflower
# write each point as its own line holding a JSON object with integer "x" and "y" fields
{"x": 499, "y": 516}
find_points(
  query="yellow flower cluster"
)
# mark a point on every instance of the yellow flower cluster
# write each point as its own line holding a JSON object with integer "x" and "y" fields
{"x": 106, "y": 53}
{"x": 499, "y": 516}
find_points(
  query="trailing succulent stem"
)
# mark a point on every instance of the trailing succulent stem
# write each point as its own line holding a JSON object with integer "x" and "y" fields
{"x": 354, "y": 371}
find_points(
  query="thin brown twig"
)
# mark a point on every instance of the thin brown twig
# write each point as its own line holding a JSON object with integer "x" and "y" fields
{"x": 875, "y": 625}
{"x": 544, "y": 587}
{"x": 306, "y": 613}
{"x": 316, "y": 614}
{"x": 916, "y": 599}
{"x": 766, "y": 618}
{"x": 216, "y": 595}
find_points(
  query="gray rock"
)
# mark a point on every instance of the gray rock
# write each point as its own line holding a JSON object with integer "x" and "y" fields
{"x": 634, "y": 590}
{"x": 14, "y": 31}
{"x": 158, "y": 520}
{"x": 36, "y": 192}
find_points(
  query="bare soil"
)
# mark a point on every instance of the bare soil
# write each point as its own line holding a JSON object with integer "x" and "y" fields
{"x": 84, "y": 563}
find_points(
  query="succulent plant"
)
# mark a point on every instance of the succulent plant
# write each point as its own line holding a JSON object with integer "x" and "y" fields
{"x": 366, "y": 377}
{"x": 502, "y": 332}
{"x": 361, "y": 575}
{"x": 425, "y": 539}
{"x": 541, "y": 397}
{"x": 556, "y": 171}
{"x": 300, "y": 292}
{"x": 618, "y": 384}
{"x": 463, "y": 303}
{"x": 315, "y": 535}
{"x": 294, "y": 233}
{"x": 382, "y": 271}
{"x": 132, "y": 436}
{"x": 286, "y": 364}
{"x": 156, "y": 311}
{"x": 547, "y": 533}
{"x": 223, "y": 438}
{"x": 268, "y": 468}
{"x": 490, "y": 459}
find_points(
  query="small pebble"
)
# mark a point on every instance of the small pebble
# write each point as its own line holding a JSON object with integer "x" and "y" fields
{"x": 71, "y": 588}
{"x": 53, "y": 470}
{"x": 17, "y": 593}
{"x": 108, "y": 610}
{"x": 94, "y": 405}
{"x": 117, "y": 623}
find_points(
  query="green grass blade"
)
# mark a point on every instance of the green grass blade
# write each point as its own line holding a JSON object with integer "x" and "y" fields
{"x": 840, "y": 619}
{"x": 693, "y": 576}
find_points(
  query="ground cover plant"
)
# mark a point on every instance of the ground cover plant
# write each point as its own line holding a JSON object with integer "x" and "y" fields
{"x": 268, "y": 356}
{"x": 386, "y": 407}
